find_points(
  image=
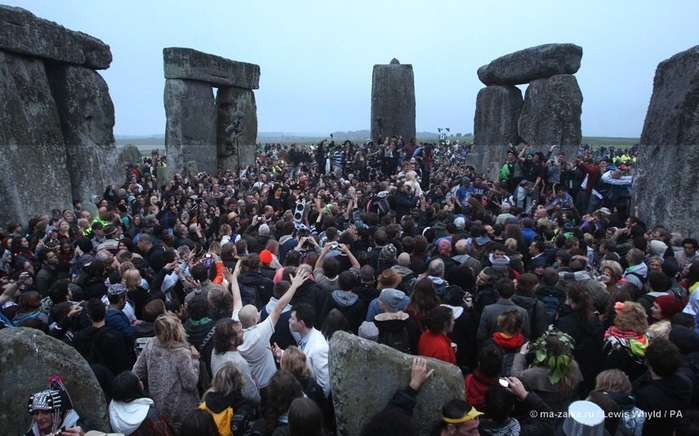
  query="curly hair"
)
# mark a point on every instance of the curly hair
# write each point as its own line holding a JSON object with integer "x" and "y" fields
{"x": 223, "y": 334}
{"x": 632, "y": 318}
{"x": 580, "y": 296}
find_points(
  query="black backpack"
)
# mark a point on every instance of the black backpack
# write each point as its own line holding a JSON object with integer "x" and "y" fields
{"x": 553, "y": 298}
{"x": 396, "y": 339}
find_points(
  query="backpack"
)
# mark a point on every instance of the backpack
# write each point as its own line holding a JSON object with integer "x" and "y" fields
{"x": 547, "y": 295}
{"x": 229, "y": 422}
{"x": 384, "y": 206}
{"x": 479, "y": 252}
{"x": 396, "y": 339}
{"x": 640, "y": 277}
{"x": 223, "y": 419}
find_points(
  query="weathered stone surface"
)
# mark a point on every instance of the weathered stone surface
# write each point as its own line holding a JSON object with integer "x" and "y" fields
{"x": 668, "y": 155}
{"x": 551, "y": 112}
{"x": 497, "y": 115}
{"x": 364, "y": 376}
{"x": 32, "y": 153}
{"x": 532, "y": 63}
{"x": 86, "y": 112}
{"x": 190, "y": 132}
{"x": 129, "y": 154}
{"x": 673, "y": 113}
{"x": 393, "y": 100}
{"x": 22, "y": 32}
{"x": 28, "y": 358}
{"x": 664, "y": 184}
{"x": 228, "y": 101}
{"x": 186, "y": 63}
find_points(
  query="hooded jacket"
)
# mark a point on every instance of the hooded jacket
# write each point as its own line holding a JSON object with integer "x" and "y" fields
{"x": 477, "y": 385}
{"x": 127, "y": 417}
{"x": 349, "y": 304}
{"x": 631, "y": 274}
{"x": 393, "y": 322}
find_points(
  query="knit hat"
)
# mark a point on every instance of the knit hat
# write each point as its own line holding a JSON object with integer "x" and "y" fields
{"x": 263, "y": 230}
{"x": 539, "y": 261}
{"x": 117, "y": 289}
{"x": 109, "y": 230}
{"x": 392, "y": 299}
{"x": 388, "y": 279}
{"x": 657, "y": 247}
{"x": 368, "y": 330}
{"x": 444, "y": 247}
{"x": 669, "y": 306}
{"x": 501, "y": 265}
{"x": 266, "y": 256}
{"x": 85, "y": 245}
{"x": 388, "y": 253}
{"x": 55, "y": 399}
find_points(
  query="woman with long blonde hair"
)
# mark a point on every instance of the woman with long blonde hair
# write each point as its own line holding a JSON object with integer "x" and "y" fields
{"x": 171, "y": 366}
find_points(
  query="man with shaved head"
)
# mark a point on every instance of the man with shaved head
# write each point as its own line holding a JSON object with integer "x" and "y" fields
{"x": 256, "y": 335}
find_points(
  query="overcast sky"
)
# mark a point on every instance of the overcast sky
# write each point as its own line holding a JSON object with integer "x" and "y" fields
{"x": 316, "y": 57}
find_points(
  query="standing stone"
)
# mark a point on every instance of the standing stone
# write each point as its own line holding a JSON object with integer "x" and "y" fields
{"x": 497, "y": 113}
{"x": 129, "y": 154}
{"x": 673, "y": 113}
{"x": 664, "y": 184}
{"x": 364, "y": 376}
{"x": 551, "y": 112}
{"x": 87, "y": 119}
{"x": 23, "y": 33}
{"x": 668, "y": 155}
{"x": 229, "y": 100}
{"x": 32, "y": 153}
{"x": 487, "y": 159}
{"x": 28, "y": 358}
{"x": 393, "y": 100}
{"x": 190, "y": 132}
{"x": 532, "y": 63}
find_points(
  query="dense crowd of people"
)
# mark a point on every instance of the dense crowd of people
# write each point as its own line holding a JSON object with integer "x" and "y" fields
{"x": 204, "y": 304}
